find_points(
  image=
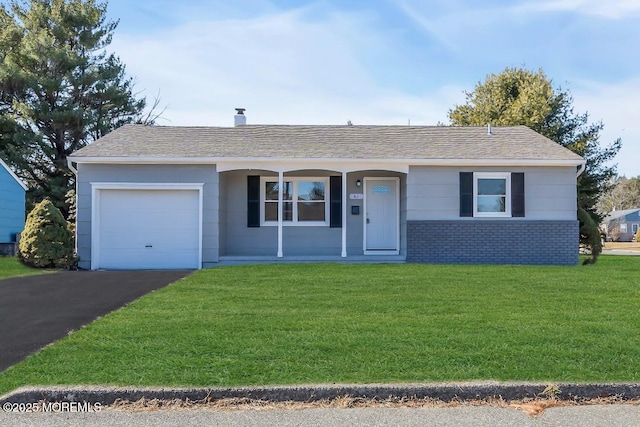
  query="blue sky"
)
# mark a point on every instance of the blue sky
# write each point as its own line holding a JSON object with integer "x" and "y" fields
{"x": 377, "y": 61}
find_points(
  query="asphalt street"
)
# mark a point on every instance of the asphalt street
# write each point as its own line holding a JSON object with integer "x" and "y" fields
{"x": 476, "y": 416}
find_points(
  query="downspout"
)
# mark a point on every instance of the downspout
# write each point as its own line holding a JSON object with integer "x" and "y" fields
{"x": 582, "y": 168}
{"x": 75, "y": 229}
{"x": 71, "y": 168}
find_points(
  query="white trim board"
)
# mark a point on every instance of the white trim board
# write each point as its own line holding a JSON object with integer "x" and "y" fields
{"x": 294, "y": 201}
{"x": 337, "y": 164}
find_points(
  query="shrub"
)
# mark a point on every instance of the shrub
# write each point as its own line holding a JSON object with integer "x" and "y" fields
{"x": 46, "y": 241}
{"x": 589, "y": 235}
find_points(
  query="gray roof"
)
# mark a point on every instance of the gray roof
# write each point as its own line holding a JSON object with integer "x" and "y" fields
{"x": 619, "y": 214}
{"x": 327, "y": 142}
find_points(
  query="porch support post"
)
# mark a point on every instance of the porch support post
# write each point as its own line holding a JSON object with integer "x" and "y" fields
{"x": 280, "y": 185}
{"x": 344, "y": 215}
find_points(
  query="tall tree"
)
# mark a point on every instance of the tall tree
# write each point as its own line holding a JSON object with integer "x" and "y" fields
{"x": 521, "y": 97}
{"x": 59, "y": 88}
{"x": 624, "y": 194}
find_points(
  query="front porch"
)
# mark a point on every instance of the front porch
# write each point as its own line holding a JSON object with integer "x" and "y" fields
{"x": 357, "y": 216}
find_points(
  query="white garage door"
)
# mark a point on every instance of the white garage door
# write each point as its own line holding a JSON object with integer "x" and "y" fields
{"x": 148, "y": 229}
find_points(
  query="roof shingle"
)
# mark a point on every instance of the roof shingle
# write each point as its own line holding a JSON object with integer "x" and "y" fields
{"x": 327, "y": 142}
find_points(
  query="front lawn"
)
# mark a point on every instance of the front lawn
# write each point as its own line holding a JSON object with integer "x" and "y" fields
{"x": 340, "y": 323}
{"x": 11, "y": 267}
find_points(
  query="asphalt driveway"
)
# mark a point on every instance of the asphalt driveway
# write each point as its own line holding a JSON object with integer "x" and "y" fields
{"x": 38, "y": 310}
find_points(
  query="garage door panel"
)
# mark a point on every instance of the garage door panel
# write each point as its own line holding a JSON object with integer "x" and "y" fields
{"x": 146, "y": 246}
{"x": 158, "y": 241}
{"x": 149, "y": 229}
{"x": 133, "y": 259}
{"x": 176, "y": 218}
{"x": 140, "y": 198}
{"x": 155, "y": 211}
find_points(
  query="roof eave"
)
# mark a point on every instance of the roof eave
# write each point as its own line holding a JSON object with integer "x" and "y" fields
{"x": 265, "y": 160}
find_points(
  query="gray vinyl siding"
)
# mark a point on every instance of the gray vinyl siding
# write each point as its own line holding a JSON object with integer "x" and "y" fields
{"x": 88, "y": 173}
{"x": 236, "y": 239}
{"x": 433, "y": 193}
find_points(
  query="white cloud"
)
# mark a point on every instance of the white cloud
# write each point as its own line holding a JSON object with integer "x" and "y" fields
{"x": 429, "y": 23}
{"x": 290, "y": 68}
{"x": 612, "y": 9}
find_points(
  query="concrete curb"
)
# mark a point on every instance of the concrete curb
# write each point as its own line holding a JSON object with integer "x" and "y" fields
{"x": 310, "y": 393}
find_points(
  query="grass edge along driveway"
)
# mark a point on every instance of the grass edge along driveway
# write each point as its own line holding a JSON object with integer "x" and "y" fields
{"x": 12, "y": 267}
{"x": 342, "y": 323}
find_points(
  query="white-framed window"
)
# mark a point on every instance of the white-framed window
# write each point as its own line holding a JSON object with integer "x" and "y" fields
{"x": 623, "y": 227}
{"x": 305, "y": 201}
{"x": 634, "y": 228}
{"x": 492, "y": 194}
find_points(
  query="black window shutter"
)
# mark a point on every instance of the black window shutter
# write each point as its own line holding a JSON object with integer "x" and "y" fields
{"x": 517, "y": 194}
{"x": 335, "y": 201}
{"x": 253, "y": 201}
{"x": 466, "y": 193}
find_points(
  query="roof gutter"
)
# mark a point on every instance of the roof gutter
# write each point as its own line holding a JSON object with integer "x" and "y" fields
{"x": 70, "y": 166}
{"x": 316, "y": 161}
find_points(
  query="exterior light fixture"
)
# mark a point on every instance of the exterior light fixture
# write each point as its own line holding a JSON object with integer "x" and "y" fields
{"x": 358, "y": 183}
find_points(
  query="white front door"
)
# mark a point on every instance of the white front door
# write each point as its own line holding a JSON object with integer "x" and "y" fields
{"x": 381, "y": 215}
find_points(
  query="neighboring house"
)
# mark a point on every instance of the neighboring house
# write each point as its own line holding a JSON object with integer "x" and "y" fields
{"x": 190, "y": 197}
{"x": 622, "y": 225}
{"x": 12, "y": 208}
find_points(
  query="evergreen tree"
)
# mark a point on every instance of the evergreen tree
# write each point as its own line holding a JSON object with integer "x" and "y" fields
{"x": 46, "y": 241}
{"x": 59, "y": 89}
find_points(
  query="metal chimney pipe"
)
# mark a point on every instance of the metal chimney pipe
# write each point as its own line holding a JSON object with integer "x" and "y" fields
{"x": 240, "y": 119}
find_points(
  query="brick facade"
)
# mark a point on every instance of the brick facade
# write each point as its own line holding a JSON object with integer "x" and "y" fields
{"x": 493, "y": 242}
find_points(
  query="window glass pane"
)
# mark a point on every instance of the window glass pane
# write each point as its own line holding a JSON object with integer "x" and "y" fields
{"x": 287, "y": 191}
{"x": 491, "y": 204}
{"x": 310, "y": 211}
{"x": 492, "y": 186}
{"x": 271, "y": 190}
{"x": 287, "y": 211}
{"x": 271, "y": 211}
{"x": 310, "y": 190}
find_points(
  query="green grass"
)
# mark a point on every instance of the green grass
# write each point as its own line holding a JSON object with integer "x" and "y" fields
{"x": 11, "y": 267}
{"x": 333, "y": 323}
